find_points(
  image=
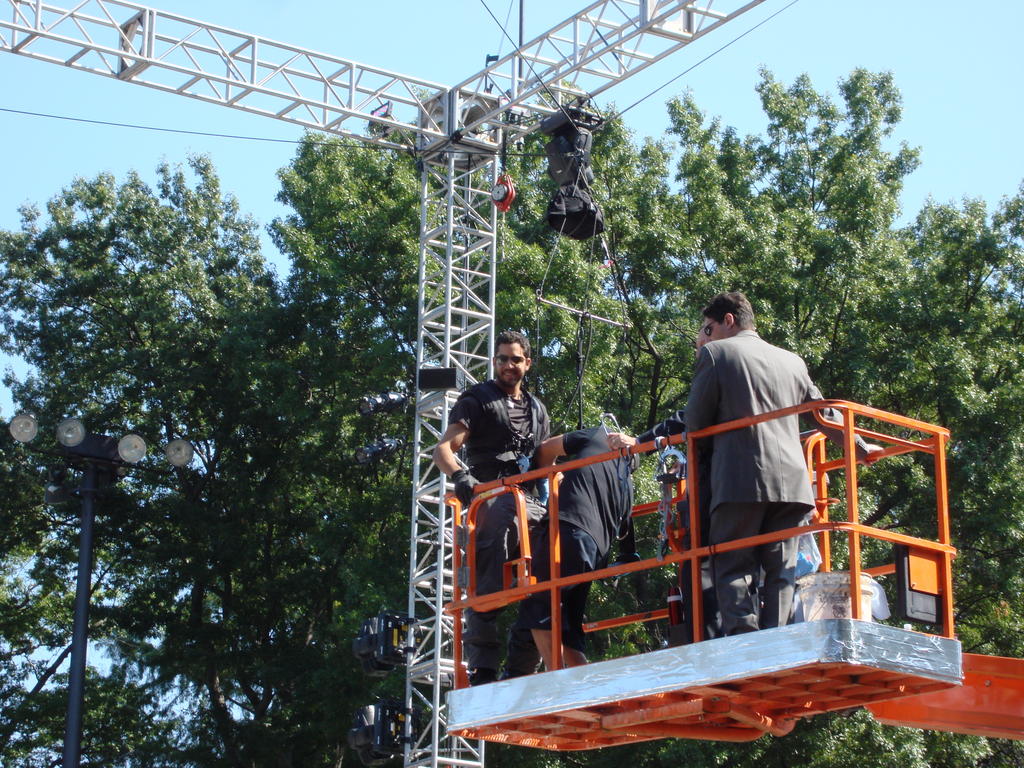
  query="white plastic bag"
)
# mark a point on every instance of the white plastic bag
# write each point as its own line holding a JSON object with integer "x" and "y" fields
{"x": 808, "y": 558}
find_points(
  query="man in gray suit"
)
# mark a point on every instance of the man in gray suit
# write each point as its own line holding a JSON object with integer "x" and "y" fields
{"x": 759, "y": 481}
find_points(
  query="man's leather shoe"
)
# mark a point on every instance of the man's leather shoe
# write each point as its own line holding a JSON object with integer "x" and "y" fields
{"x": 482, "y": 676}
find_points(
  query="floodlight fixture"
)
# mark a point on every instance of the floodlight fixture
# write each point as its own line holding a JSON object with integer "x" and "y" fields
{"x": 71, "y": 432}
{"x": 102, "y": 460}
{"x": 179, "y": 452}
{"x": 131, "y": 448}
{"x": 385, "y": 402}
{"x": 24, "y": 427}
{"x": 385, "y": 446}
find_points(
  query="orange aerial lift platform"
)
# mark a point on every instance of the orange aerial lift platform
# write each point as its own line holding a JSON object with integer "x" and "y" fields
{"x": 741, "y": 687}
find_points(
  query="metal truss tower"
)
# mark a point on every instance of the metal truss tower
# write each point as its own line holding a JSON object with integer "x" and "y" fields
{"x": 456, "y": 133}
{"x": 458, "y": 228}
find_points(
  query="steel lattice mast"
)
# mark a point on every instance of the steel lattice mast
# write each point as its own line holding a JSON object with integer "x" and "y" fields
{"x": 456, "y": 133}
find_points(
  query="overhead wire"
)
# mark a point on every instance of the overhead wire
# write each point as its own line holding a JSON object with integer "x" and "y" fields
{"x": 138, "y": 127}
{"x": 239, "y": 137}
{"x": 554, "y": 99}
{"x": 714, "y": 53}
{"x": 504, "y": 28}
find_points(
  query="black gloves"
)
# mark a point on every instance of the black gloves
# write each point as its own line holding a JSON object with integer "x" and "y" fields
{"x": 464, "y": 484}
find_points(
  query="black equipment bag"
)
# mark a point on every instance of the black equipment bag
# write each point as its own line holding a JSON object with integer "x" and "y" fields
{"x": 573, "y": 213}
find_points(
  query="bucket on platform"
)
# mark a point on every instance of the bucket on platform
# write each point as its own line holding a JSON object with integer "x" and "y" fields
{"x": 826, "y": 595}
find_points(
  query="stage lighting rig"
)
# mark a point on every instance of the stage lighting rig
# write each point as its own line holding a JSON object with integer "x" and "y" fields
{"x": 378, "y": 732}
{"x": 380, "y": 644}
{"x": 385, "y": 446}
{"x": 385, "y": 402}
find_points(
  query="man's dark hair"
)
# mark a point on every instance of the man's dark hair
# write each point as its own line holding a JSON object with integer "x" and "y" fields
{"x": 734, "y": 302}
{"x": 513, "y": 337}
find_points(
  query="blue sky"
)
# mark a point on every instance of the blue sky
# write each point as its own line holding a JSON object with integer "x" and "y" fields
{"x": 960, "y": 72}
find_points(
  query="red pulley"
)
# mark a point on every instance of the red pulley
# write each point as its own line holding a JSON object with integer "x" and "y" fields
{"x": 504, "y": 193}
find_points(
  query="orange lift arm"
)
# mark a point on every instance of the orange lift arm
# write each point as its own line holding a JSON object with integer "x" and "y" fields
{"x": 989, "y": 703}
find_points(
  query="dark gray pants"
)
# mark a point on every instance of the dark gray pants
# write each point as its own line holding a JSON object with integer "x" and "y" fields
{"x": 497, "y": 541}
{"x": 737, "y": 572}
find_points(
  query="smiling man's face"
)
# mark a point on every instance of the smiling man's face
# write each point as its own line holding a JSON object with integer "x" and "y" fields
{"x": 510, "y": 366}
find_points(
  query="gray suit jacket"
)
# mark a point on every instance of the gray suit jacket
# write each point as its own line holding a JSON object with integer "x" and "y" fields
{"x": 745, "y": 376}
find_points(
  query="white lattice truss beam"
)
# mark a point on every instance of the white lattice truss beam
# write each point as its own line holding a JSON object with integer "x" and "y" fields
{"x": 458, "y": 258}
{"x": 580, "y": 58}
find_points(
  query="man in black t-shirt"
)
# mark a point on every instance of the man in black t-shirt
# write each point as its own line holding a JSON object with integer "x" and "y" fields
{"x": 593, "y": 500}
{"x": 499, "y": 426}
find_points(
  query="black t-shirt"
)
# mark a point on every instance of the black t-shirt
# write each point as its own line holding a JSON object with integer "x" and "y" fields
{"x": 483, "y": 429}
{"x": 518, "y": 413}
{"x": 598, "y": 496}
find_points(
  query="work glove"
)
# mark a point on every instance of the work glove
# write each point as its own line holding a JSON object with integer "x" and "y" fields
{"x": 464, "y": 484}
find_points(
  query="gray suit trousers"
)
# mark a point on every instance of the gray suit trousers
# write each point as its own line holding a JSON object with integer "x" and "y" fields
{"x": 736, "y": 572}
{"x": 497, "y": 541}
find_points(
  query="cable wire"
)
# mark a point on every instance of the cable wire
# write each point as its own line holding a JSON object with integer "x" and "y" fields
{"x": 554, "y": 99}
{"x": 504, "y": 27}
{"x": 149, "y": 127}
{"x": 239, "y": 137}
{"x": 714, "y": 53}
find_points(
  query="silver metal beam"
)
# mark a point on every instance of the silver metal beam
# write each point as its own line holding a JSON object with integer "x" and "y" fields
{"x": 133, "y": 43}
{"x": 588, "y": 53}
{"x": 458, "y": 261}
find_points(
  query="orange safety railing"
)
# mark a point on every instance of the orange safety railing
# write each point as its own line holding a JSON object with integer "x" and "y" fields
{"x": 932, "y": 559}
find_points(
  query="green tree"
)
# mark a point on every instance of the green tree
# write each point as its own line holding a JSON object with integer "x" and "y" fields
{"x": 226, "y": 593}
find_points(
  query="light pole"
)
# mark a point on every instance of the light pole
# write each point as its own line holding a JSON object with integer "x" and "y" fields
{"x": 102, "y": 460}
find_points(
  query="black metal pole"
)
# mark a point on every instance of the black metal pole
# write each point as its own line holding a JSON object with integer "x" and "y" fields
{"x": 80, "y": 635}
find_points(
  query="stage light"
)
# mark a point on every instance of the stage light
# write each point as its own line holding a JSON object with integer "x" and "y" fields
{"x": 378, "y": 731}
{"x": 380, "y": 644}
{"x": 378, "y": 450}
{"x": 385, "y": 402}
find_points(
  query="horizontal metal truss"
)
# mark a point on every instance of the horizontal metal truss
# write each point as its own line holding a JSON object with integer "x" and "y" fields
{"x": 133, "y": 43}
{"x": 583, "y": 56}
{"x": 586, "y": 54}
{"x": 456, "y": 330}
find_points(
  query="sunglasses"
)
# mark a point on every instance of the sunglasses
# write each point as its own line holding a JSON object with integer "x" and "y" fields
{"x": 505, "y": 359}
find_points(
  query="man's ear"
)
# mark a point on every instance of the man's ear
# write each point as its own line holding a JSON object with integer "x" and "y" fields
{"x": 729, "y": 319}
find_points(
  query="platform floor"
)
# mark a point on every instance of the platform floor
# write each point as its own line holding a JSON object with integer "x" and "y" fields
{"x": 731, "y": 689}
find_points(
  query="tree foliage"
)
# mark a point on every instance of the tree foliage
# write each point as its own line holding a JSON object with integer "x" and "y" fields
{"x": 226, "y": 593}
